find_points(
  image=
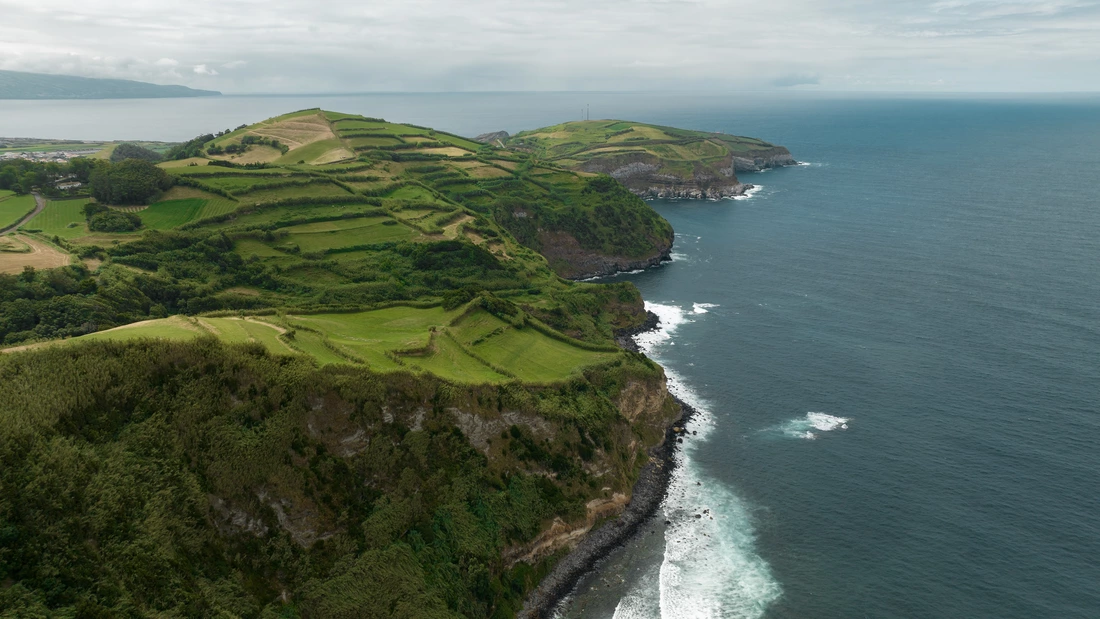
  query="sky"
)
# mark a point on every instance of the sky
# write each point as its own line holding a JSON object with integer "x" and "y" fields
{"x": 333, "y": 46}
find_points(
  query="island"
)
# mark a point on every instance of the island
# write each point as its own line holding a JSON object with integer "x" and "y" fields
{"x": 21, "y": 85}
{"x": 323, "y": 365}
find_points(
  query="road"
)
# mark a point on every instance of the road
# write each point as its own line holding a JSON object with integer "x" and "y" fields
{"x": 39, "y": 204}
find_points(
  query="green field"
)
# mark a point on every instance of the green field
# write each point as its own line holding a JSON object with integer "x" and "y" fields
{"x": 172, "y": 213}
{"x": 13, "y": 208}
{"x": 310, "y": 152}
{"x": 243, "y": 183}
{"x": 175, "y": 328}
{"x": 63, "y": 218}
{"x": 348, "y": 233}
{"x": 313, "y": 190}
{"x": 236, "y": 330}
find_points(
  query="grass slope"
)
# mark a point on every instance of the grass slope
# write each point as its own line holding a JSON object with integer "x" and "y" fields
{"x": 13, "y": 208}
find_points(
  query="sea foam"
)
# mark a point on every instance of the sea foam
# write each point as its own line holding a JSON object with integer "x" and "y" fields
{"x": 710, "y": 566}
{"x": 808, "y": 426}
{"x": 749, "y": 193}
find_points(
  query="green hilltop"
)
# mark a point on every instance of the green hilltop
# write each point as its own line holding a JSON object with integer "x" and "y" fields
{"x": 319, "y": 366}
{"x": 653, "y": 161}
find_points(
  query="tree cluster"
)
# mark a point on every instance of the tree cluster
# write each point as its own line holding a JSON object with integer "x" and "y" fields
{"x": 103, "y": 219}
{"x": 133, "y": 151}
{"x": 128, "y": 182}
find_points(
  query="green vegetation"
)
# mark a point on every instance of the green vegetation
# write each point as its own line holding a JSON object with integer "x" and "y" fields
{"x": 593, "y": 139}
{"x": 169, "y": 214}
{"x": 131, "y": 181}
{"x": 133, "y": 151}
{"x": 13, "y": 208}
{"x": 296, "y": 388}
{"x": 650, "y": 158}
{"x": 61, "y": 218}
{"x": 196, "y": 479}
{"x": 105, "y": 219}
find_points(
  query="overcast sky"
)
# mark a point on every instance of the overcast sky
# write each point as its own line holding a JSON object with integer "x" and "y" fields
{"x": 325, "y": 46}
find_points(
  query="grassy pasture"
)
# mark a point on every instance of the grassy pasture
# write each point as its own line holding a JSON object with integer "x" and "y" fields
{"x": 252, "y": 247}
{"x": 448, "y": 151}
{"x": 209, "y": 170}
{"x": 243, "y": 183}
{"x": 184, "y": 163}
{"x": 314, "y": 151}
{"x": 237, "y": 330}
{"x": 413, "y": 193}
{"x": 374, "y": 142}
{"x": 447, "y": 359}
{"x": 283, "y": 215}
{"x": 348, "y": 233}
{"x": 171, "y": 213}
{"x": 213, "y": 206}
{"x": 313, "y": 190}
{"x": 173, "y": 328}
{"x": 13, "y": 208}
{"x": 62, "y": 218}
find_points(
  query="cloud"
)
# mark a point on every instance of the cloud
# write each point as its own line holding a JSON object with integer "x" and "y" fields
{"x": 295, "y": 46}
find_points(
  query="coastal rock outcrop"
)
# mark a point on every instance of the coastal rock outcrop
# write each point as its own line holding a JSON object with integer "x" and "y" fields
{"x": 493, "y": 137}
{"x": 572, "y": 261}
{"x": 649, "y": 176}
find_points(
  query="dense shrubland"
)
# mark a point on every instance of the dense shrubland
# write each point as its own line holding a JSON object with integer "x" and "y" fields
{"x": 205, "y": 480}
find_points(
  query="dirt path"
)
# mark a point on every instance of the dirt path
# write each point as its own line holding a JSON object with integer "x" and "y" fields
{"x": 40, "y": 203}
{"x": 41, "y": 256}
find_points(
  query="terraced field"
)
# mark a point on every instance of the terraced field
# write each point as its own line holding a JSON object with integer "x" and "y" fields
{"x": 461, "y": 345}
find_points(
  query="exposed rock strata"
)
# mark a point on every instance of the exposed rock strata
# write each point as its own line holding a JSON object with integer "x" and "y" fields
{"x": 648, "y": 176}
{"x": 571, "y": 260}
{"x": 648, "y": 493}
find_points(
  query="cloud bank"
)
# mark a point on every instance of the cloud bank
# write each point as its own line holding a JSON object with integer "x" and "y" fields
{"x": 294, "y": 46}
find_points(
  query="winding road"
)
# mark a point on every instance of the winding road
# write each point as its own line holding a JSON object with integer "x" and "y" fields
{"x": 40, "y": 203}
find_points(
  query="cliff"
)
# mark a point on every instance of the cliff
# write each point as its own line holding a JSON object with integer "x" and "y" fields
{"x": 654, "y": 161}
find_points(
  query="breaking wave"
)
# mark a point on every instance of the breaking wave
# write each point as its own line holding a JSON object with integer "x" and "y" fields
{"x": 809, "y": 426}
{"x": 710, "y": 567}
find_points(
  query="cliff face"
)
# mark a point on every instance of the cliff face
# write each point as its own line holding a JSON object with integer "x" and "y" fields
{"x": 759, "y": 160}
{"x": 649, "y": 176}
{"x": 570, "y": 260}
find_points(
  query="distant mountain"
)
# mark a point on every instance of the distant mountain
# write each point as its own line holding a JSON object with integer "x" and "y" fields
{"x": 19, "y": 85}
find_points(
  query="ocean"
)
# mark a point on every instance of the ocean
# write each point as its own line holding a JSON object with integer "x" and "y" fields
{"x": 895, "y": 348}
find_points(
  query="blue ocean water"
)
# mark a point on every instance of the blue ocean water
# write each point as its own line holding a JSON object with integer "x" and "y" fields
{"x": 901, "y": 371}
{"x": 896, "y": 348}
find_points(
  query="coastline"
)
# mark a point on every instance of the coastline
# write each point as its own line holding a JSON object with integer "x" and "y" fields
{"x": 647, "y": 495}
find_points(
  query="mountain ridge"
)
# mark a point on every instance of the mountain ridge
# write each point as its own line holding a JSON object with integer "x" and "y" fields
{"x": 34, "y": 86}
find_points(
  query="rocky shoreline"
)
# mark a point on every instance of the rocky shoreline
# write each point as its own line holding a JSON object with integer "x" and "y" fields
{"x": 648, "y": 494}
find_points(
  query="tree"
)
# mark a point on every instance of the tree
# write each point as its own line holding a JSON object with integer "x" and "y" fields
{"x": 8, "y": 179}
{"x": 132, "y": 181}
{"x": 27, "y": 183}
{"x": 133, "y": 151}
